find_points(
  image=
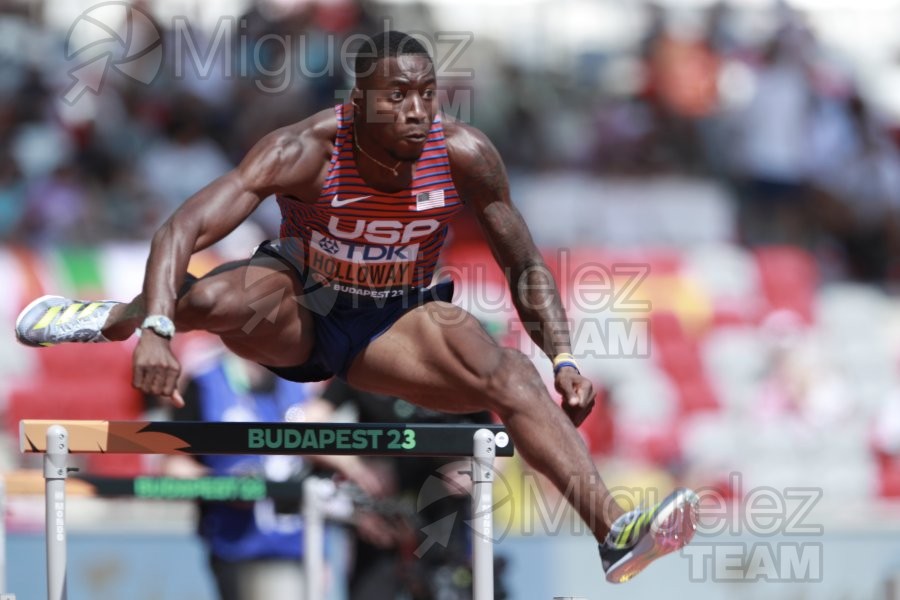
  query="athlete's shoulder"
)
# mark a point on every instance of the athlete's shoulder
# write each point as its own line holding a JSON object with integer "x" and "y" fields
{"x": 313, "y": 134}
{"x": 462, "y": 137}
{"x": 293, "y": 157}
{"x": 475, "y": 164}
{"x": 467, "y": 146}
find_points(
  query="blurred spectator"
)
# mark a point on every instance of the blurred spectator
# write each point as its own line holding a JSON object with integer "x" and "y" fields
{"x": 800, "y": 390}
{"x": 405, "y": 555}
{"x": 186, "y": 160}
{"x": 57, "y": 206}
{"x": 651, "y": 104}
{"x": 856, "y": 175}
{"x": 771, "y": 143}
{"x": 682, "y": 78}
{"x": 12, "y": 198}
{"x": 254, "y": 548}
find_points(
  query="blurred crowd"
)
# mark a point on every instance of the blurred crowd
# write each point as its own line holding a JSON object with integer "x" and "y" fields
{"x": 114, "y": 165}
{"x": 779, "y": 119}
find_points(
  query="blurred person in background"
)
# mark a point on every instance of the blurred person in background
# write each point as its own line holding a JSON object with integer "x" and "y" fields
{"x": 801, "y": 390}
{"x": 682, "y": 73}
{"x": 58, "y": 207}
{"x": 12, "y": 193}
{"x": 254, "y": 548}
{"x": 187, "y": 142}
{"x": 771, "y": 143}
{"x": 404, "y": 554}
{"x": 855, "y": 179}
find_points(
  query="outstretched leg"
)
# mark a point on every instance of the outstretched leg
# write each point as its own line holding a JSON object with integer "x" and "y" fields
{"x": 440, "y": 357}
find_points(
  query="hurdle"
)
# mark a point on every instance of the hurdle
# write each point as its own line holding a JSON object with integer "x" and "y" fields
{"x": 57, "y": 439}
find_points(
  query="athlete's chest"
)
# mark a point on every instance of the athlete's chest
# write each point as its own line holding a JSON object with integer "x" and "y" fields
{"x": 353, "y": 211}
{"x": 387, "y": 219}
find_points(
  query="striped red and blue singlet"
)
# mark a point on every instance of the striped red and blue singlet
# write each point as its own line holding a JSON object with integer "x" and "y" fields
{"x": 364, "y": 241}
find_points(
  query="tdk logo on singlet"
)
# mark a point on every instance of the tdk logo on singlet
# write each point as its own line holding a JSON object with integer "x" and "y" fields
{"x": 365, "y": 252}
{"x": 383, "y": 232}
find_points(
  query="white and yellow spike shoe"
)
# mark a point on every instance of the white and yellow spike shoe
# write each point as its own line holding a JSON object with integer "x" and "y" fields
{"x": 641, "y": 536}
{"x": 52, "y": 320}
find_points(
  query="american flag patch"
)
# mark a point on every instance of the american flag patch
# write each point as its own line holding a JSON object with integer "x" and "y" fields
{"x": 429, "y": 200}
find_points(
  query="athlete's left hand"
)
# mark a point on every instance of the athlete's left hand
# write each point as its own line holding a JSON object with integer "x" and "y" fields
{"x": 577, "y": 394}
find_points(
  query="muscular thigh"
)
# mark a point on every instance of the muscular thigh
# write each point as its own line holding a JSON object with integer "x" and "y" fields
{"x": 436, "y": 356}
{"x": 252, "y": 306}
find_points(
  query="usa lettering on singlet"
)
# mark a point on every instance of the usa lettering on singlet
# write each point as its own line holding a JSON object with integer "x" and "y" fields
{"x": 363, "y": 241}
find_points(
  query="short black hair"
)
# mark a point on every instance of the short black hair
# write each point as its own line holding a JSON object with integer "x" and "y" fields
{"x": 385, "y": 45}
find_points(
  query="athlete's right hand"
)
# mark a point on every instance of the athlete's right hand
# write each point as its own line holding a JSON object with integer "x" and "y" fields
{"x": 156, "y": 369}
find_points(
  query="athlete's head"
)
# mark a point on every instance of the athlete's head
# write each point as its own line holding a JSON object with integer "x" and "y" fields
{"x": 395, "y": 96}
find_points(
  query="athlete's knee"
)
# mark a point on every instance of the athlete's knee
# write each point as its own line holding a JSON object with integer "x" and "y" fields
{"x": 511, "y": 381}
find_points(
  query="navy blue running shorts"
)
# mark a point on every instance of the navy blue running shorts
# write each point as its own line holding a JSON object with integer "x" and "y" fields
{"x": 345, "y": 323}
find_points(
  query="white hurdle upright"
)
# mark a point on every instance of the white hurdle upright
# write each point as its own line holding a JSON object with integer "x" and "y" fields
{"x": 322, "y": 501}
{"x": 55, "y": 473}
{"x": 483, "y": 514}
{"x": 56, "y": 439}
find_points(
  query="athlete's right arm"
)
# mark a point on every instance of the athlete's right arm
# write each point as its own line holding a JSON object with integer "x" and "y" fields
{"x": 278, "y": 162}
{"x": 214, "y": 212}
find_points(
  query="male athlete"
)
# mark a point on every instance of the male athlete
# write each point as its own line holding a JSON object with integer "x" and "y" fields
{"x": 366, "y": 191}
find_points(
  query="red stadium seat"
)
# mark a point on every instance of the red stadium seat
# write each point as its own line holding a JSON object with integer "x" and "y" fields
{"x": 679, "y": 356}
{"x": 788, "y": 279}
{"x": 62, "y": 398}
{"x": 666, "y": 328}
{"x": 674, "y": 351}
{"x": 888, "y": 474}
{"x": 97, "y": 399}
{"x": 115, "y": 465}
{"x": 598, "y": 429}
{"x": 81, "y": 361}
{"x": 472, "y": 263}
{"x": 658, "y": 444}
{"x": 696, "y": 395}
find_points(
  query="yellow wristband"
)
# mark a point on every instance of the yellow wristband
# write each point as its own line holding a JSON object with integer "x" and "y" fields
{"x": 564, "y": 359}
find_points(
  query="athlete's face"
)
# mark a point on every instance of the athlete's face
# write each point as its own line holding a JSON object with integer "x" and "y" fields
{"x": 398, "y": 104}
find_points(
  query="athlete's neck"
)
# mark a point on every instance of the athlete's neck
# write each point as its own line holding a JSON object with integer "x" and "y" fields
{"x": 377, "y": 168}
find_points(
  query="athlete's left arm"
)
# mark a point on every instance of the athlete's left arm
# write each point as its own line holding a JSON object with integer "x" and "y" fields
{"x": 480, "y": 178}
